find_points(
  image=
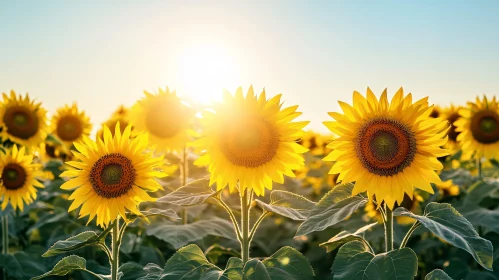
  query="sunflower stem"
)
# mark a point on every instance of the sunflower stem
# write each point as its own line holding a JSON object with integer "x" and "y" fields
{"x": 388, "y": 229}
{"x": 5, "y": 239}
{"x": 232, "y": 217}
{"x": 184, "y": 170}
{"x": 116, "y": 242}
{"x": 408, "y": 234}
{"x": 479, "y": 167}
{"x": 245, "y": 220}
{"x": 257, "y": 224}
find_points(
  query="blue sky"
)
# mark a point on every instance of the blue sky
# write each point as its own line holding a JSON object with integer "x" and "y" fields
{"x": 313, "y": 52}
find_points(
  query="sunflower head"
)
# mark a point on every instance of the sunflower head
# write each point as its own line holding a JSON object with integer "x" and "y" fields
{"x": 122, "y": 112}
{"x": 50, "y": 151}
{"x": 387, "y": 148}
{"x": 111, "y": 123}
{"x": 451, "y": 114}
{"x": 314, "y": 142}
{"x": 478, "y": 128}
{"x": 18, "y": 181}
{"x": 250, "y": 140}
{"x": 436, "y": 112}
{"x": 112, "y": 176}
{"x": 165, "y": 117}
{"x": 22, "y": 121}
{"x": 448, "y": 188}
{"x": 70, "y": 124}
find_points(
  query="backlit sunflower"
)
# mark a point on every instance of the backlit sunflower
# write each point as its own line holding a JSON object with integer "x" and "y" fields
{"x": 22, "y": 121}
{"x": 122, "y": 111}
{"x": 314, "y": 142}
{"x": 70, "y": 124}
{"x": 451, "y": 114}
{"x": 387, "y": 148}
{"x": 110, "y": 123}
{"x": 250, "y": 140}
{"x": 165, "y": 117}
{"x": 479, "y": 129}
{"x": 112, "y": 176}
{"x": 18, "y": 181}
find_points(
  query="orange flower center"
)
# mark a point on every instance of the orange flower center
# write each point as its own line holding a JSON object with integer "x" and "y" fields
{"x": 21, "y": 122}
{"x": 485, "y": 127}
{"x": 385, "y": 146}
{"x": 69, "y": 128}
{"x": 452, "y": 131}
{"x": 112, "y": 175}
{"x": 165, "y": 119}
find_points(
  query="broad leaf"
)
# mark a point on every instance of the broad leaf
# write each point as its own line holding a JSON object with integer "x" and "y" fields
{"x": 354, "y": 262}
{"x": 288, "y": 264}
{"x": 437, "y": 274}
{"x": 11, "y": 265}
{"x": 194, "y": 193}
{"x": 337, "y": 205}
{"x": 255, "y": 270}
{"x": 65, "y": 266}
{"x": 345, "y": 237}
{"x": 445, "y": 222}
{"x": 73, "y": 243}
{"x": 479, "y": 216}
{"x": 288, "y": 204}
{"x": 131, "y": 271}
{"x": 180, "y": 235}
{"x": 233, "y": 270}
{"x": 167, "y": 213}
{"x": 187, "y": 263}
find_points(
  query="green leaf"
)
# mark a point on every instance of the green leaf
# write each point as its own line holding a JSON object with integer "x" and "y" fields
{"x": 288, "y": 204}
{"x": 167, "y": 213}
{"x": 255, "y": 270}
{"x": 187, "y": 263}
{"x": 214, "y": 252}
{"x": 337, "y": 205}
{"x": 180, "y": 235}
{"x": 447, "y": 223}
{"x": 479, "y": 216}
{"x": 437, "y": 274}
{"x": 194, "y": 193}
{"x": 233, "y": 269}
{"x": 11, "y": 265}
{"x": 81, "y": 240}
{"x": 345, "y": 237}
{"x": 131, "y": 271}
{"x": 354, "y": 262}
{"x": 288, "y": 263}
{"x": 65, "y": 266}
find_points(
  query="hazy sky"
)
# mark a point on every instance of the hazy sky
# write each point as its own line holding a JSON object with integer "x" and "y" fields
{"x": 314, "y": 52}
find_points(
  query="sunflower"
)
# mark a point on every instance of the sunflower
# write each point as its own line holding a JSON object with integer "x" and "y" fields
{"x": 165, "y": 117}
{"x": 314, "y": 142}
{"x": 479, "y": 129}
{"x": 50, "y": 151}
{"x": 112, "y": 176}
{"x": 388, "y": 148}
{"x": 22, "y": 121}
{"x": 451, "y": 114}
{"x": 18, "y": 181}
{"x": 412, "y": 204}
{"x": 122, "y": 111}
{"x": 70, "y": 124}
{"x": 448, "y": 188}
{"x": 110, "y": 123}
{"x": 436, "y": 112}
{"x": 250, "y": 140}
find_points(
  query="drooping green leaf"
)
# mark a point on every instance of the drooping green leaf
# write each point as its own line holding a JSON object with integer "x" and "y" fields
{"x": 194, "y": 193}
{"x": 345, "y": 237}
{"x": 65, "y": 266}
{"x": 255, "y": 270}
{"x": 355, "y": 262}
{"x": 437, "y": 274}
{"x": 288, "y": 263}
{"x": 288, "y": 204}
{"x": 180, "y": 235}
{"x": 214, "y": 252}
{"x": 233, "y": 269}
{"x": 187, "y": 263}
{"x": 131, "y": 271}
{"x": 337, "y": 205}
{"x": 11, "y": 265}
{"x": 479, "y": 216}
{"x": 167, "y": 213}
{"x": 81, "y": 240}
{"x": 447, "y": 223}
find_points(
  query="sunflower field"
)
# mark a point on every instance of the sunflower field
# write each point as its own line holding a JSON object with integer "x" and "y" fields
{"x": 241, "y": 189}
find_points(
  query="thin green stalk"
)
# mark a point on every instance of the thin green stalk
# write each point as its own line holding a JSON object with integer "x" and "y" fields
{"x": 116, "y": 242}
{"x": 256, "y": 225}
{"x": 232, "y": 217}
{"x": 479, "y": 167}
{"x": 245, "y": 244}
{"x": 5, "y": 239}
{"x": 408, "y": 234}
{"x": 388, "y": 229}
{"x": 184, "y": 173}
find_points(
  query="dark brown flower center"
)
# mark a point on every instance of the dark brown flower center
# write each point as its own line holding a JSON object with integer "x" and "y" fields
{"x": 385, "y": 146}
{"x": 435, "y": 113}
{"x": 485, "y": 127}
{"x": 112, "y": 175}
{"x": 21, "y": 122}
{"x": 69, "y": 128}
{"x": 13, "y": 176}
{"x": 452, "y": 131}
{"x": 250, "y": 142}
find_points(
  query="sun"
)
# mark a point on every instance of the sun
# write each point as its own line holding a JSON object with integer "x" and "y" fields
{"x": 204, "y": 70}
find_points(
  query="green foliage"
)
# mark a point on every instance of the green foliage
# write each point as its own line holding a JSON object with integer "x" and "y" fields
{"x": 66, "y": 266}
{"x": 288, "y": 204}
{"x": 437, "y": 274}
{"x": 334, "y": 207}
{"x": 355, "y": 262}
{"x": 345, "y": 237}
{"x": 447, "y": 223}
{"x": 194, "y": 193}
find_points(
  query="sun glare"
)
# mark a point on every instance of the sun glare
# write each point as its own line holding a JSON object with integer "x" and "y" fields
{"x": 206, "y": 69}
